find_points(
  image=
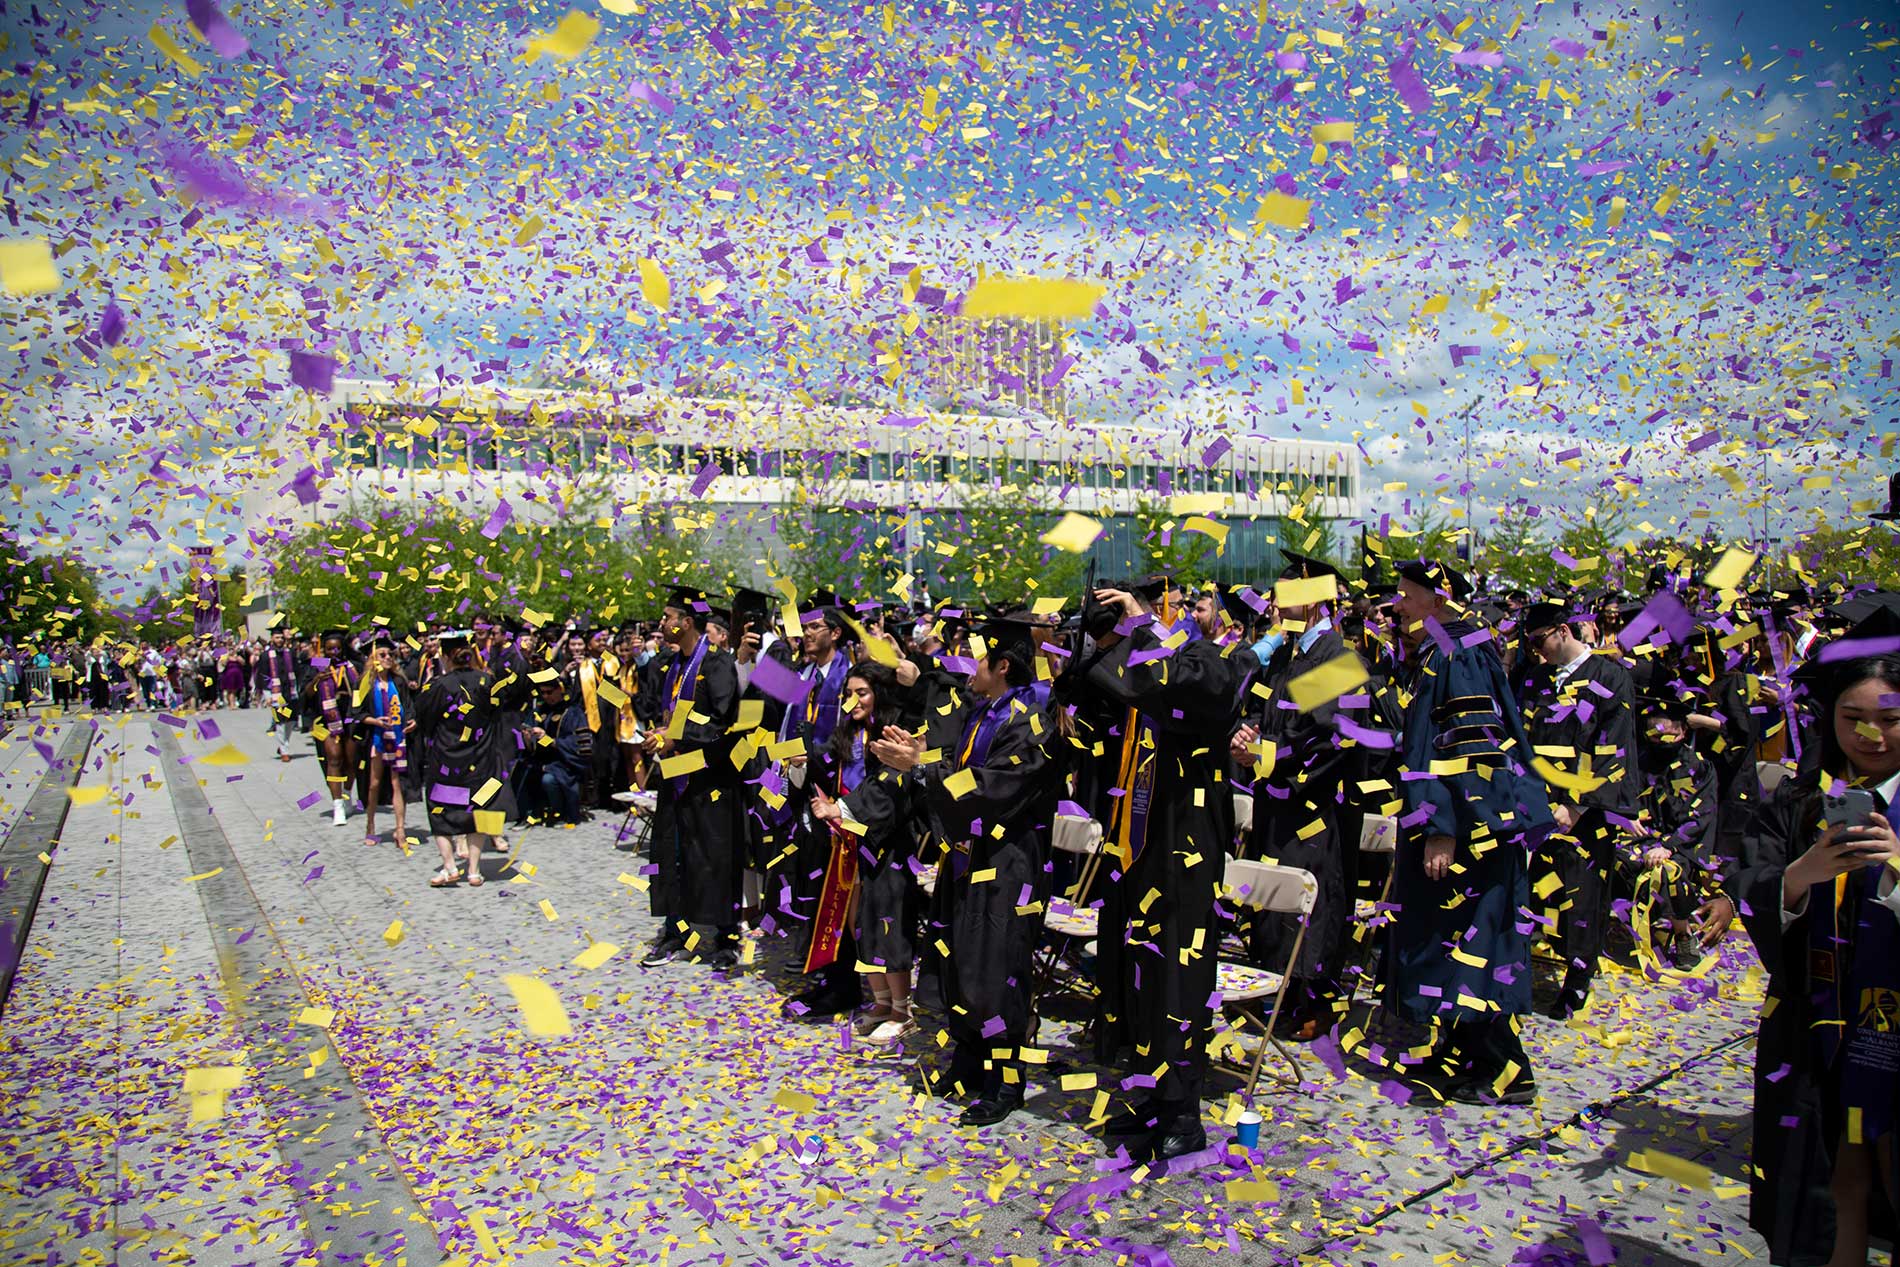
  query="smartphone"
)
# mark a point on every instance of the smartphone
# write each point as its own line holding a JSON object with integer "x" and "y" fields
{"x": 1852, "y": 808}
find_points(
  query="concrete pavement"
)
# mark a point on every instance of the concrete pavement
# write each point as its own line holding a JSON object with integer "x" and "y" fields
{"x": 241, "y": 1034}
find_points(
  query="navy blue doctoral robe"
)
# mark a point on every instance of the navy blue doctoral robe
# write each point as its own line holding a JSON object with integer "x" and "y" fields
{"x": 1460, "y": 946}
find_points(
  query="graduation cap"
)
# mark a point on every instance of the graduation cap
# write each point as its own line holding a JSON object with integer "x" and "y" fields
{"x": 1011, "y": 635}
{"x": 819, "y": 598}
{"x": 1240, "y": 600}
{"x": 1876, "y": 633}
{"x": 1441, "y": 577}
{"x": 1892, "y": 512}
{"x": 750, "y": 602}
{"x": 1543, "y": 615}
{"x": 1659, "y": 701}
{"x": 1302, "y": 567}
{"x": 1861, "y": 606}
{"x": 721, "y": 616}
{"x": 1151, "y": 587}
{"x": 691, "y": 600}
{"x": 450, "y": 639}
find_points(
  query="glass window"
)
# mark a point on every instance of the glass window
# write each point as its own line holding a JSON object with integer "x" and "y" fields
{"x": 481, "y": 449}
{"x": 880, "y": 466}
{"x": 451, "y": 447}
{"x": 771, "y": 463}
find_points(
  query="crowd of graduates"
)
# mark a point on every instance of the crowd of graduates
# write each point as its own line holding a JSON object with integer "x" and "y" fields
{"x": 887, "y": 786}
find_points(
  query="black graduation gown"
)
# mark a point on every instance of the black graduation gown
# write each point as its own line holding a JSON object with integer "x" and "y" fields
{"x": 1485, "y": 797}
{"x": 699, "y": 829}
{"x": 1158, "y": 960}
{"x": 1731, "y": 750}
{"x": 461, "y": 743}
{"x": 1589, "y": 719}
{"x": 1308, "y": 785}
{"x": 887, "y": 857}
{"x": 1790, "y": 1204}
{"x": 759, "y": 840}
{"x": 998, "y": 867}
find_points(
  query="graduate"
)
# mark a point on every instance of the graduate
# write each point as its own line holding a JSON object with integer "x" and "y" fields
{"x": 1674, "y": 839}
{"x": 1303, "y": 816}
{"x": 1817, "y": 891}
{"x": 1579, "y": 711}
{"x": 1726, "y": 727}
{"x": 330, "y": 689}
{"x": 1169, "y": 830}
{"x": 869, "y": 886}
{"x": 551, "y": 759}
{"x": 464, "y": 751}
{"x": 592, "y": 674}
{"x": 1458, "y": 951}
{"x": 699, "y": 823}
{"x": 802, "y": 849}
{"x": 386, "y": 709}
{"x": 281, "y": 674}
{"x": 993, "y": 795}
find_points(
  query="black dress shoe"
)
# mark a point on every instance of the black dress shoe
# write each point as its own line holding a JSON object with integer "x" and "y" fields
{"x": 724, "y": 957}
{"x": 1142, "y": 1119}
{"x": 1177, "y": 1137}
{"x": 823, "y": 1003}
{"x": 1478, "y": 1091}
{"x": 993, "y": 1106}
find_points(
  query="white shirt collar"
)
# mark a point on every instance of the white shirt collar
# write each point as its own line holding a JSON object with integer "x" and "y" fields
{"x": 1563, "y": 674}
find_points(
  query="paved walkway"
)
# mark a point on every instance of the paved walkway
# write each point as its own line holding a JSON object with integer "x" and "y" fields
{"x": 239, "y": 1034}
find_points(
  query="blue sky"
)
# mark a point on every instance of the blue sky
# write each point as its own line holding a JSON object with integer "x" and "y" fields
{"x": 364, "y": 173}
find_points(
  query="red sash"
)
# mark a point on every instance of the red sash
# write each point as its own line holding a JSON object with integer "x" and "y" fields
{"x": 834, "y": 901}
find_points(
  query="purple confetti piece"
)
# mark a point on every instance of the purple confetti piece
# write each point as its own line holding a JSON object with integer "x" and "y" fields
{"x": 313, "y": 371}
{"x": 778, "y": 682}
{"x": 309, "y": 800}
{"x": 112, "y": 325}
{"x": 223, "y": 38}
{"x": 498, "y": 519}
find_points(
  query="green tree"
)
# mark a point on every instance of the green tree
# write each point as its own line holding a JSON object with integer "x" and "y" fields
{"x": 1515, "y": 553}
{"x": 1163, "y": 543}
{"x": 49, "y": 597}
{"x": 997, "y": 555}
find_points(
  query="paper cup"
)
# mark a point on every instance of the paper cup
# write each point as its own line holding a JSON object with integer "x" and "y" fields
{"x": 1247, "y": 1130}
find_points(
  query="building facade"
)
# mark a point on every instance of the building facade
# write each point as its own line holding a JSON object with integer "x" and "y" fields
{"x": 745, "y": 460}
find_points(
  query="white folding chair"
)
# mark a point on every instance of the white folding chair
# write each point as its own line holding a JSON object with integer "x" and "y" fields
{"x": 1267, "y": 889}
{"x": 639, "y": 816}
{"x": 1243, "y": 820}
{"x": 1771, "y": 773}
{"x": 1069, "y": 920}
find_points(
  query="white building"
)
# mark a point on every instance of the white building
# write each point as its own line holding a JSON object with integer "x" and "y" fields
{"x": 745, "y": 459}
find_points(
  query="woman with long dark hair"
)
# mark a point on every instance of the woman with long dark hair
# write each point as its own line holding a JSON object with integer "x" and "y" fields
{"x": 332, "y": 688}
{"x": 852, "y": 786}
{"x": 1817, "y": 891}
{"x": 388, "y": 715}
{"x": 466, "y": 747}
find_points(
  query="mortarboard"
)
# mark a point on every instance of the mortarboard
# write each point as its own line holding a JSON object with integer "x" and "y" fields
{"x": 1013, "y": 634}
{"x": 1543, "y": 615}
{"x": 1439, "y": 577}
{"x": 1301, "y": 567}
{"x": 1240, "y": 602}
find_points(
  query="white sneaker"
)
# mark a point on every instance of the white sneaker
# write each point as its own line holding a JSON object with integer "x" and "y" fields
{"x": 338, "y": 815}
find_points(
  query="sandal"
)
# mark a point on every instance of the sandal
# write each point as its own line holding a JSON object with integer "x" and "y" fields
{"x": 870, "y": 1019}
{"x": 444, "y": 879}
{"x": 372, "y": 840}
{"x": 475, "y": 881}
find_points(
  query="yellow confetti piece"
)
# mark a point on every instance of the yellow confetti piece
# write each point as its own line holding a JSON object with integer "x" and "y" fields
{"x": 547, "y": 909}
{"x": 541, "y": 1010}
{"x": 529, "y": 231}
{"x": 796, "y": 1101}
{"x": 1241, "y": 1191}
{"x": 1686, "y": 1173}
{"x": 1057, "y": 299}
{"x": 484, "y": 1237}
{"x": 566, "y": 41}
{"x": 204, "y": 875}
{"x": 486, "y": 791}
{"x": 1074, "y": 533}
{"x": 1327, "y": 682}
{"x": 1207, "y": 527}
{"x": 1306, "y": 592}
{"x": 1577, "y": 783}
{"x": 960, "y": 784}
{"x": 162, "y": 40}
{"x": 683, "y": 763}
{"x": 317, "y": 1016}
{"x": 1729, "y": 570}
{"x": 26, "y": 268}
{"x": 88, "y": 795}
{"x": 1077, "y": 1081}
{"x": 595, "y": 955}
{"x": 1332, "y": 133}
{"x": 210, "y": 1078}
{"x": 490, "y": 822}
{"x": 654, "y": 287}
{"x": 227, "y": 755}
{"x": 1283, "y": 211}
{"x": 1048, "y": 606}
{"x": 393, "y": 934}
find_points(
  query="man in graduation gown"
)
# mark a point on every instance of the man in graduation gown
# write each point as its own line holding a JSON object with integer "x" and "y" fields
{"x": 595, "y": 687}
{"x": 992, "y": 794}
{"x": 1459, "y": 948}
{"x": 1170, "y": 825}
{"x": 802, "y": 847}
{"x": 1579, "y": 711}
{"x": 1303, "y": 814}
{"x": 281, "y": 677}
{"x": 551, "y": 754}
{"x": 699, "y": 821}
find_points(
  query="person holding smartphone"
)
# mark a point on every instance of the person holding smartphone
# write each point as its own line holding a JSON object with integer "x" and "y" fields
{"x": 1816, "y": 889}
